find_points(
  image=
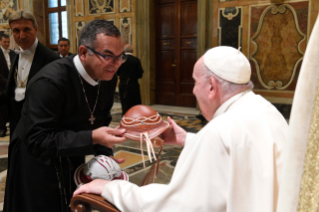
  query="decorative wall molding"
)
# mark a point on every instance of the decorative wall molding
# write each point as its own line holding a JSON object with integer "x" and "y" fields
{"x": 230, "y": 26}
{"x": 125, "y": 6}
{"x": 111, "y": 20}
{"x": 126, "y": 30}
{"x": 98, "y": 7}
{"x": 79, "y": 8}
{"x": 78, "y": 27}
{"x": 278, "y": 30}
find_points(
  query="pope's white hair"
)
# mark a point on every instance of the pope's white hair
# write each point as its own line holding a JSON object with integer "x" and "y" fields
{"x": 227, "y": 88}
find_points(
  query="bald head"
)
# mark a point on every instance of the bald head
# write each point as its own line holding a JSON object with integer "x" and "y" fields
{"x": 128, "y": 48}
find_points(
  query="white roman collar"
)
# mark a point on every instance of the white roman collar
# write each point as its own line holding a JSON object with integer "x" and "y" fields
{"x": 223, "y": 108}
{"x": 128, "y": 53}
{"x": 79, "y": 66}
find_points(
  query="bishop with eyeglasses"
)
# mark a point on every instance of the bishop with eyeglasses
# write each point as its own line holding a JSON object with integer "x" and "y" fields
{"x": 65, "y": 117}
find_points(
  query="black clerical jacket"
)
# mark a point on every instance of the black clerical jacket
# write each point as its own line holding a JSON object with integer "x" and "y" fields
{"x": 42, "y": 57}
{"x": 4, "y": 70}
{"x": 69, "y": 54}
{"x": 129, "y": 73}
{"x": 53, "y": 136}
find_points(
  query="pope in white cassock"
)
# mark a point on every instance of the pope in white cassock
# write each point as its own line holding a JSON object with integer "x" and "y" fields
{"x": 233, "y": 164}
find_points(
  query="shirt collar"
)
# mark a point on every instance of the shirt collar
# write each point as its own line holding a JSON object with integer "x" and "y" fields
{"x": 224, "y": 107}
{"x": 128, "y": 53}
{"x": 79, "y": 66}
{"x": 61, "y": 56}
{"x": 34, "y": 46}
{"x": 5, "y": 51}
{"x": 30, "y": 50}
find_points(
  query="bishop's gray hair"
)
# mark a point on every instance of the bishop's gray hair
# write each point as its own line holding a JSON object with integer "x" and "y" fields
{"x": 228, "y": 88}
{"x": 95, "y": 27}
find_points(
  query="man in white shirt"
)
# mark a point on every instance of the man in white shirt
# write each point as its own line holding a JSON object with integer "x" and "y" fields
{"x": 6, "y": 58}
{"x": 32, "y": 56}
{"x": 233, "y": 164}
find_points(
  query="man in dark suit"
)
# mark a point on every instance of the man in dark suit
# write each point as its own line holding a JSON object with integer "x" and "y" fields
{"x": 64, "y": 47}
{"x": 6, "y": 58}
{"x": 129, "y": 73}
{"x": 31, "y": 57}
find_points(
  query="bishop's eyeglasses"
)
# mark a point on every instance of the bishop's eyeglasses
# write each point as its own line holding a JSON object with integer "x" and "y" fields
{"x": 108, "y": 58}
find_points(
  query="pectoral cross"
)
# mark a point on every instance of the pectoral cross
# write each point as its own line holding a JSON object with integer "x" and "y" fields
{"x": 92, "y": 119}
{"x": 22, "y": 85}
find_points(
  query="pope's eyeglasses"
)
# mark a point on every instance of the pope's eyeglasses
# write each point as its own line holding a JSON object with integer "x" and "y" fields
{"x": 108, "y": 58}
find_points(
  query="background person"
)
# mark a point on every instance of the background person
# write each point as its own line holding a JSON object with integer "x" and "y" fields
{"x": 129, "y": 73}
{"x": 31, "y": 57}
{"x": 64, "y": 118}
{"x": 6, "y": 58}
{"x": 232, "y": 164}
{"x": 64, "y": 47}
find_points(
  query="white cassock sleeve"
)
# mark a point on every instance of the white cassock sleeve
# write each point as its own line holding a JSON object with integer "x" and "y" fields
{"x": 189, "y": 137}
{"x": 233, "y": 164}
{"x": 191, "y": 187}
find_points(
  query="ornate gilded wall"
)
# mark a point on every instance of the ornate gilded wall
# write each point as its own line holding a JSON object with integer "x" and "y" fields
{"x": 120, "y": 12}
{"x": 272, "y": 34}
{"x": 7, "y": 7}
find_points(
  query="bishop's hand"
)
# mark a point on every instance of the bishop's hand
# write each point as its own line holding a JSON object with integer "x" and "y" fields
{"x": 174, "y": 134}
{"x": 107, "y": 136}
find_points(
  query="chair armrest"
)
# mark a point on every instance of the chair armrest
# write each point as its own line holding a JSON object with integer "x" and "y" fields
{"x": 87, "y": 202}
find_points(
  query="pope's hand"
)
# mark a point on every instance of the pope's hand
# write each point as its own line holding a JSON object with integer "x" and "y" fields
{"x": 93, "y": 187}
{"x": 174, "y": 133}
{"x": 107, "y": 136}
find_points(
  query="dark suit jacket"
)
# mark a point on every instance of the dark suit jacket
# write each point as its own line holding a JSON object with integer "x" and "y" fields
{"x": 42, "y": 57}
{"x": 66, "y": 56}
{"x": 131, "y": 69}
{"x": 129, "y": 73}
{"x": 4, "y": 70}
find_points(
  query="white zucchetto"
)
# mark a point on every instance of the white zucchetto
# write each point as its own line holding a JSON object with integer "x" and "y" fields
{"x": 229, "y": 64}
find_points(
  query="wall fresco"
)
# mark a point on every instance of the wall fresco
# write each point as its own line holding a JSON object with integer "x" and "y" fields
{"x": 7, "y": 7}
{"x": 97, "y": 7}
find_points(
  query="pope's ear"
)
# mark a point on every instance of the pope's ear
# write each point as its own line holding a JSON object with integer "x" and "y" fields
{"x": 212, "y": 87}
{"x": 82, "y": 52}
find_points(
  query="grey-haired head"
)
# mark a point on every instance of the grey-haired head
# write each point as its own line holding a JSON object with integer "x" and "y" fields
{"x": 20, "y": 15}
